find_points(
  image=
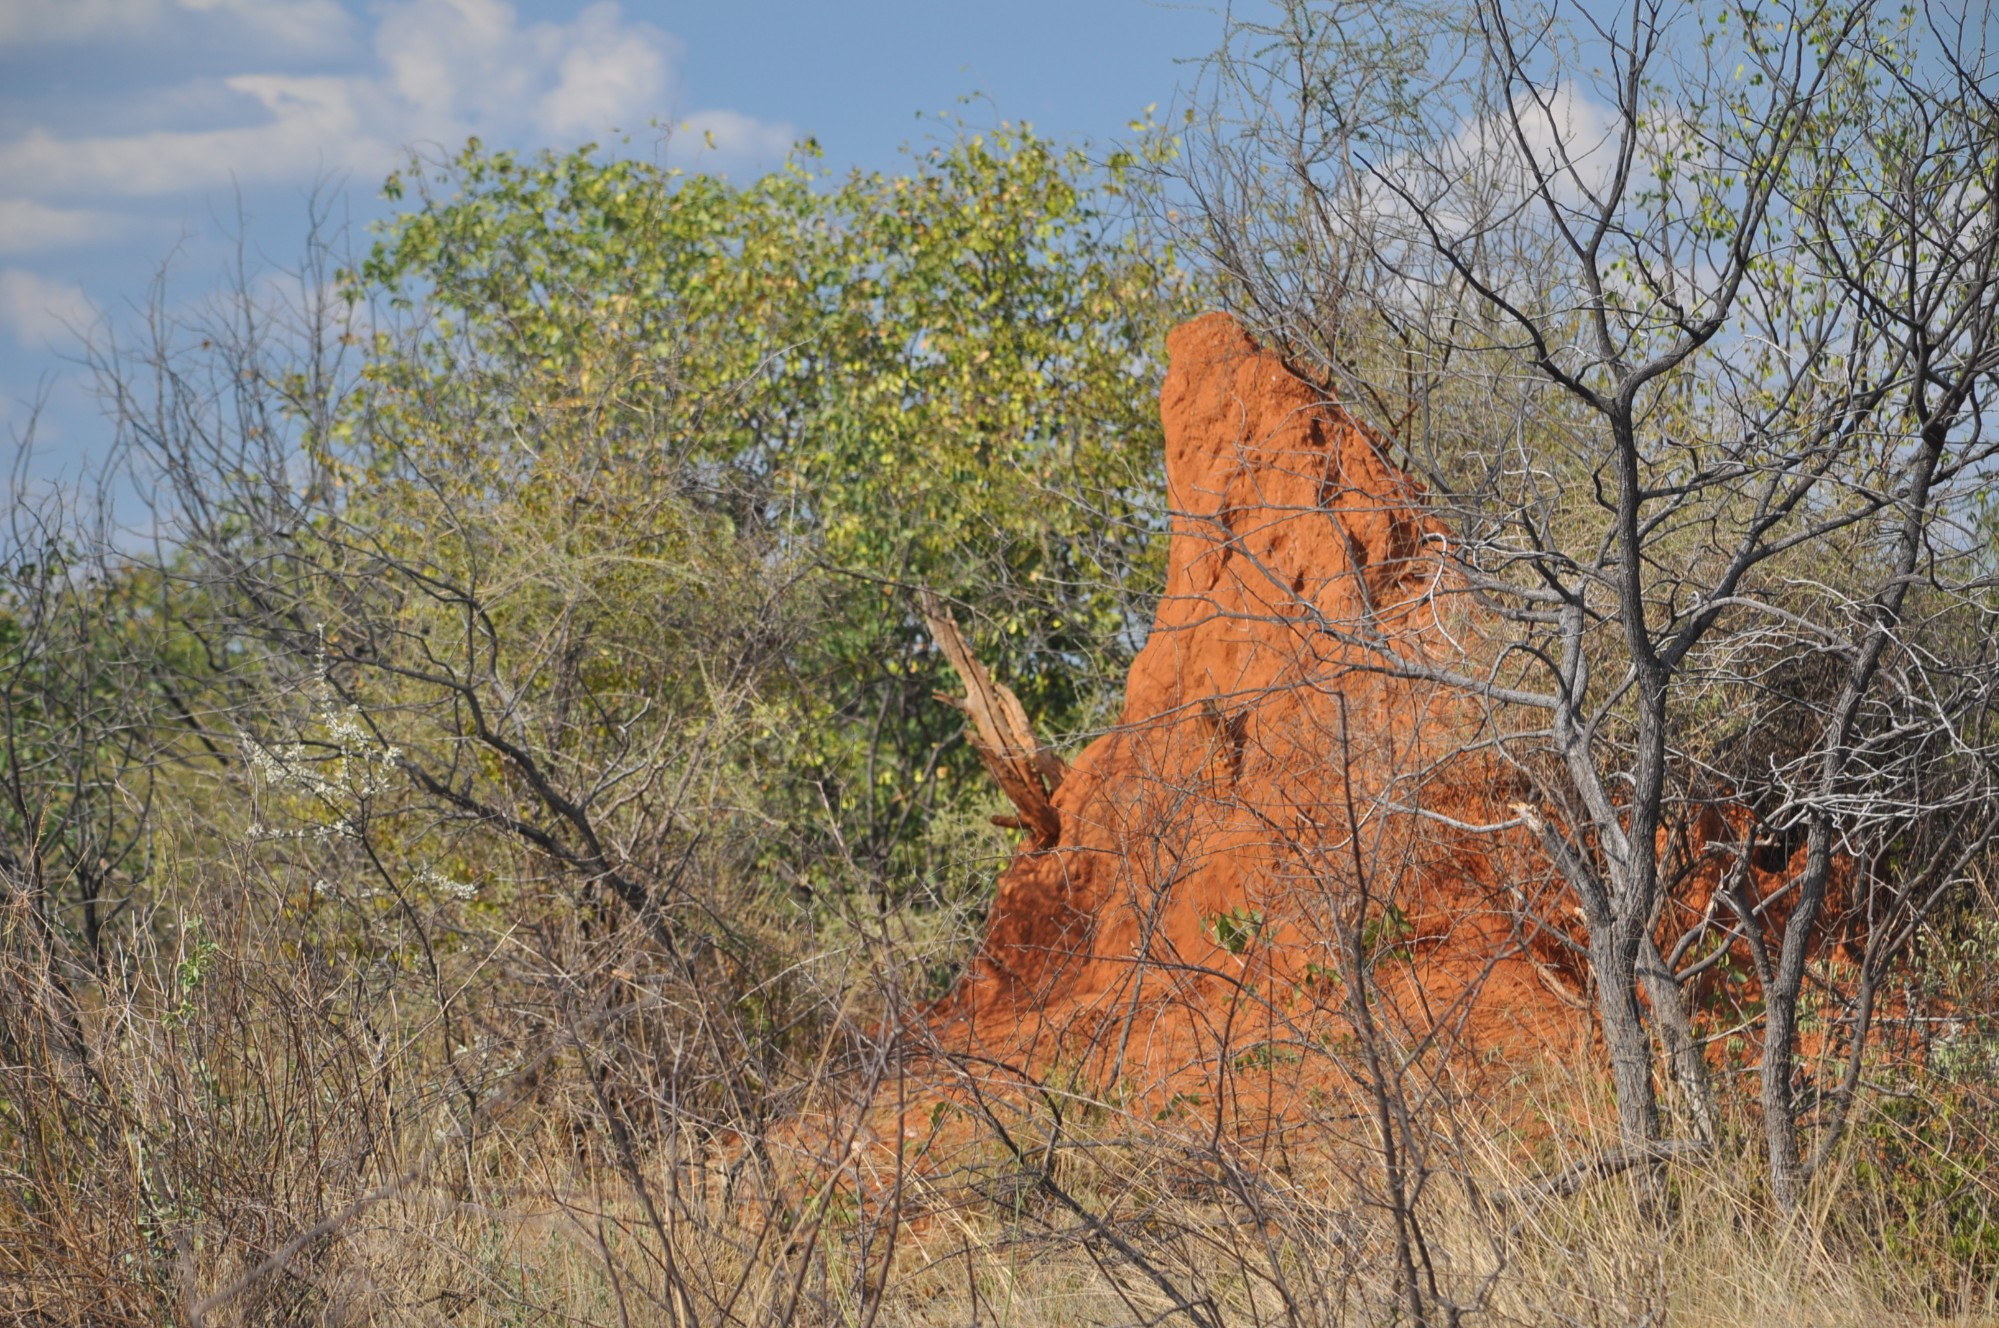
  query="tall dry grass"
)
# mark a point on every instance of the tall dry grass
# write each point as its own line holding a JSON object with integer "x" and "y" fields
{"x": 241, "y": 1123}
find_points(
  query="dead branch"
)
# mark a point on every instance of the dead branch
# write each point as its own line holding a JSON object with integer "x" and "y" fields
{"x": 1027, "y": 770}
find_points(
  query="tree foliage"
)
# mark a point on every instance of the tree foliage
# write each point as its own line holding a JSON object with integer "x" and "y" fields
{"x": 928, "y": 379}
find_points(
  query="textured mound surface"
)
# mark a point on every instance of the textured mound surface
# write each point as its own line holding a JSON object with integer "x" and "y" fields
{"x": 1218, "y": 852}
{"x": 1273, "y": 805}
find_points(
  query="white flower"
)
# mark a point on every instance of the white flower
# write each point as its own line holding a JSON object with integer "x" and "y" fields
{"x": 447, "y": 886}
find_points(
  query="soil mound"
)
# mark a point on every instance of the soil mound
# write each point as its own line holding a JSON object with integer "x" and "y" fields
{"x": 1279, "y": 801}
{"x": 1264, "y": 801}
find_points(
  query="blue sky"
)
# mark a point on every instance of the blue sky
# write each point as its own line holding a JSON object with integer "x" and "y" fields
{"x": 133, "y": 131}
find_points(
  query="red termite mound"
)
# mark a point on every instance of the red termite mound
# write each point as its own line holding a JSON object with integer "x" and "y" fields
{"x": 1278, "y": 794}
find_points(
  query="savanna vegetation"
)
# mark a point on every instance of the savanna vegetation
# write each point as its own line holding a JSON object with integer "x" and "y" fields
{"x": 477, "y": 830}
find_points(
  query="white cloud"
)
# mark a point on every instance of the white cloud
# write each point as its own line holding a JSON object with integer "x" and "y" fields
{"x": 442, "y": 70}
{"x": 448, "y": 61}
{"x": 299, "y": 20}
{"x": 734, "y": 135}
{"x": 605, "y": 76}
{"x": 467, "y": 66}
{"x": 312, "y": 125}
{"x": 40, "y": 312}
{"x": 304, "y": 25}
{"x": 26, "y": 22}
{"x": 30, "y": 227}
{"x": 1572, "y": 137}
{"x": 1562, "y": 136}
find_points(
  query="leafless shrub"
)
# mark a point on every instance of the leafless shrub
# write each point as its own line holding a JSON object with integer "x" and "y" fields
{"x": 1686, "y": 316}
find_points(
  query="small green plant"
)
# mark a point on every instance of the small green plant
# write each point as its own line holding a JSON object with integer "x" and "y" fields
{"x": 1266, "y": 1054}
{"x": 197, "y": 955}
{"x": 1927, "y": 1167}
{"x": 1234, "y": 930}
{"x": 1386, "y": 928}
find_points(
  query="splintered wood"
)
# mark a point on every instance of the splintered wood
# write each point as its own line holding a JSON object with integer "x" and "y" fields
{"x": 1026, "y": 771}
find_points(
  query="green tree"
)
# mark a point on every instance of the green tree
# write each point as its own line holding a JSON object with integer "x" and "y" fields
{"x": 941, "y": 378}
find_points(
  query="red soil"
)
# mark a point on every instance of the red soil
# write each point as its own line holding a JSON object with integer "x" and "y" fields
{"x": 1269, "y": 784}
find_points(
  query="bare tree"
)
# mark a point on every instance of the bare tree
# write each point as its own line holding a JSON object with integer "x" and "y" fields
{"x": 1687, "y": 320}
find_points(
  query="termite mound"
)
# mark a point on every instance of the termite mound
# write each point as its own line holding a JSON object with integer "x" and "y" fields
{"x": 1287, "y": 791}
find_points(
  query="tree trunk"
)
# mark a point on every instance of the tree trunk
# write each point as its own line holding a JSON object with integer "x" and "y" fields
{"x": 1676, "y": 1030}
{"x": 1614, "y": 954}
{"x": 1780, "y": 1028}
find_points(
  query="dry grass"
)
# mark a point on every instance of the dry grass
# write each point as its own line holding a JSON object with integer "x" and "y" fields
{"x": 187, "y": 1140}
